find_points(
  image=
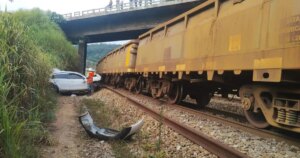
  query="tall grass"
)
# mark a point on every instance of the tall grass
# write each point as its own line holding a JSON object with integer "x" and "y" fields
{"x": 49, "y": 37}
{"x": 25, "y": 66}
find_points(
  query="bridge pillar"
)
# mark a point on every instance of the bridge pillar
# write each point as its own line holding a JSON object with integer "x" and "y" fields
{"x": 82, "y": 46}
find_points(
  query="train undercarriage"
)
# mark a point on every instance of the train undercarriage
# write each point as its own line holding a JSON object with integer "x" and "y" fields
{"x": 264, "y": 105}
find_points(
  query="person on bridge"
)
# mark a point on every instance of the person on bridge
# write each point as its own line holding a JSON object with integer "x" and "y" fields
{"x": 109, "y": 6}
{"x": 136, "y": 3}
{"x": 131, "y": 3}
{"x": 118, "y": 4}
{"x": 121, "y": 4}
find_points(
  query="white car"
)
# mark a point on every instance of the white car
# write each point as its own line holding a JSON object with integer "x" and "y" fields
{"x": 96, "y": 81}
{"x": 96, "y": 78}
{"x": 69, "y": 81}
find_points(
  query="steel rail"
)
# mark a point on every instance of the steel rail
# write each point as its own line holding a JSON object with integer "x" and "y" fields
{"x": 288, "y": 137}
{"x": 241, "y": 126}
{"x": 214, "y": 146}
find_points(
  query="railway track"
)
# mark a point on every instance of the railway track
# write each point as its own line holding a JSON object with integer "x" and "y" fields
{"x": 242, "y": 123}
{"x": 260, "y": 132}
{"x": 273, "y": 133}
{"x": 214, "y": 146}
{"x": 209, "y": 113}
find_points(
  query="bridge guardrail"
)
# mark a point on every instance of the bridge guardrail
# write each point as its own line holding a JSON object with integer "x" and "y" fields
{"x": 134, "y": 5}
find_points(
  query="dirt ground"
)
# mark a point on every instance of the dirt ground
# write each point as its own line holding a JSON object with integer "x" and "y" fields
{"x": 67, "y": 137}
{"x": 64, "y": 131}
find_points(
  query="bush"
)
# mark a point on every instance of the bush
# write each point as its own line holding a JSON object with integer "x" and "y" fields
{"x": 30, "y": 46}
{"x": 49, "y": 37}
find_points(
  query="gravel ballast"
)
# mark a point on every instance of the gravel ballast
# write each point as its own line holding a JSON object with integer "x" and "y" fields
{"x": 252, "y": 145}
{"x": 154, "y": 139}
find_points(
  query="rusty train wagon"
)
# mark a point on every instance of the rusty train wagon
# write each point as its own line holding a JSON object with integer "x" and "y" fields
{"x": 118, "y": 65}
{"x": 251, "y": 47}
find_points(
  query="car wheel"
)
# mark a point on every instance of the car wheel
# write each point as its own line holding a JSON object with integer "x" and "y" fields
{"x": 56, "y": 89}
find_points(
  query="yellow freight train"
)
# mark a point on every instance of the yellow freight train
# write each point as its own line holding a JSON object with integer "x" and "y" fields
{"x": 248, "y": 47}
{"x": 117, "y": 62}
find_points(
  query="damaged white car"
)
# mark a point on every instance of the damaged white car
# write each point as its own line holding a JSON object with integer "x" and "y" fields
{"x": 69, "y": 81}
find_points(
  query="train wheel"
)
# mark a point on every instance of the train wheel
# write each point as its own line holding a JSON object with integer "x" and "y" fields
{"x": 117, "y": 82}
{"x": 224, "y": 95}
{"x": 203, "y": 99}
{"x": 257, "y": 119}
{"x": 154, "y": 92}
{"x": 175, "y": 93}
{"x": 154, "y": 87}
{"x": 115, "y": 85}
{"x": 106, "y": 79}
{"x": 139, "y": 87}
{"x": 254, "y": 117}
{"x": 184, "y": 92}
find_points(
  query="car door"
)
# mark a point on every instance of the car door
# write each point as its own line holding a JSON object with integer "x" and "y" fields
{"x": 61, "y": 81}
{"x": 77, "y": 82}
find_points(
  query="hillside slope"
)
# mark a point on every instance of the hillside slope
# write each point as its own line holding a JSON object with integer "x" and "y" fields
{"x": 96, "y": 51}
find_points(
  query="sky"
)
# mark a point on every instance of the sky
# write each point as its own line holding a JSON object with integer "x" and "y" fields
{"x": 59, "y": 6}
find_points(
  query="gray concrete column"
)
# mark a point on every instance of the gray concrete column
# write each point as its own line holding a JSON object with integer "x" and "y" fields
{"x": 82, "y": 46}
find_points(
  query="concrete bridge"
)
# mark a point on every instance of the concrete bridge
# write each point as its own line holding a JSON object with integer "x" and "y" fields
{"x": 120, "y": 22}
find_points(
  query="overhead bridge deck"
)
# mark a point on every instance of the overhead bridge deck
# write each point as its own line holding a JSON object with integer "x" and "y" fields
{"x": 112, "y": 24}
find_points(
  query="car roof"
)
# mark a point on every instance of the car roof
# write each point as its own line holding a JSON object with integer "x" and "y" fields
{"x": 66, "y": 72}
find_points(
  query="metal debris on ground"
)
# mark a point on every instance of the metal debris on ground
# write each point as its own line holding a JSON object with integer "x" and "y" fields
{"x": 106, "y": 133}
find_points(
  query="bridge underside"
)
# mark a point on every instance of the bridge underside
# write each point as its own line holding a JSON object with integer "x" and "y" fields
{"x": 114, "y": 36}
{"x": 122, "y": 25}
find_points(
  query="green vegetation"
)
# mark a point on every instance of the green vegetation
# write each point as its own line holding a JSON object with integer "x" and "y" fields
{"x": 97, "y": 107}
{"x": 49, "y": 37}
{"x": 30, "y": 46}
{"x": 97, "y": 51}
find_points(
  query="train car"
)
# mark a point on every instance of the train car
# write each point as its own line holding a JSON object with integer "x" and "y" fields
{"x": 119, "y": 64}
{"x": 248, "y": 46}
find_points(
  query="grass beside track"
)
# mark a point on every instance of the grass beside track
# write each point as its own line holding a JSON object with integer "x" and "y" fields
{"x": 26, "y": 60}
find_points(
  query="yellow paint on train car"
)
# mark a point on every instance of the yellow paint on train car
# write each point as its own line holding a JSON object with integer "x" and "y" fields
{"x": 128, "y": 53}
{"x": 130, "y": 70}
{"x": 267, "y": 69}
{"x": 267, "y": 63}
{"x": 210, "y": 65}
{"x": 161, "y": 68}
{"x": 235, "y": 43}
{"x": 146, "y": 69}
{"x": 120, "y": 60}
{"x": 180, "y": 67}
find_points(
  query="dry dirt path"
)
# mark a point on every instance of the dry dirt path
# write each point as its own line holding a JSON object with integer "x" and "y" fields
{"x": 64, "y": 131}
{"x": 69, "y": 140}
